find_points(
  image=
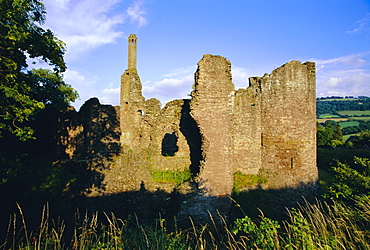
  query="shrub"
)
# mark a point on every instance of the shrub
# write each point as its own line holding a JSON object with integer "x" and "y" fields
{"x": 350, "y": 181}
{"x": 261, "y": 236}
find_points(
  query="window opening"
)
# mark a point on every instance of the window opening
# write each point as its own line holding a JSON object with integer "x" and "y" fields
{"x": 169, "y": 144}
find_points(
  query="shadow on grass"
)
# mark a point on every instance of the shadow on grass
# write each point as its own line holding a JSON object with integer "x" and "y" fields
{"x": 273, "y": 203}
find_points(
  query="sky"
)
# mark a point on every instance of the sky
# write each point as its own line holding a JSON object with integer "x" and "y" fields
{"x": 256, "y": 36}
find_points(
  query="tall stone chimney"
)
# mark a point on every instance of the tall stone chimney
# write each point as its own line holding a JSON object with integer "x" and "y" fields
{"x": 132, "y": 41}
{"x": 131, "y": 99}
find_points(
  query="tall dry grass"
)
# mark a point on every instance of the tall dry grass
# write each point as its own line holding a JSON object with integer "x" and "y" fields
{"x": 324, "y": 226}
{"x": 310, "y": 226}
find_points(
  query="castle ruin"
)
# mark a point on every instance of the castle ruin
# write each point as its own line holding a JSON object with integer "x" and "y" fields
{"x": 265, "y": 132}
{"x": 268, "y": 128}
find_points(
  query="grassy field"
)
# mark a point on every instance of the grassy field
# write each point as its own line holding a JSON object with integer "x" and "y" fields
{"x": 345, "y": 137}
{"x": 168, "y": 176}
{"x": 354, "y": 112}
{"x": 348, "y": 123}
{"x": 361, "y": 118}
{"x": 332, "y": 119}
{"x": 345, "y": 122}
{"x": 327, "y": 116}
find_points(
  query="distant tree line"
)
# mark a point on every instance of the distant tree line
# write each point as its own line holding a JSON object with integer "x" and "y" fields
{"x": 333, "y": 106}
{"x": 342, "y": 97}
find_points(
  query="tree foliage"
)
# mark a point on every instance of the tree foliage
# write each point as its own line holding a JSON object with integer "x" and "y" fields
{"x": 262, "y": 236}
{"x": 24, "y": 92}
{"x": 50, "y": 89}
{"x": 351, "y": 181}
{"x": 330, "y": 134}
{"x": 361, "y": 140}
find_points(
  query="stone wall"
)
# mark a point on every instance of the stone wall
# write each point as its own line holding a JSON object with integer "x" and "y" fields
{"x": 168, "y": 146}
{"x": 145, "y": 125}
{"x": 133, "y": 126}
{"x": 288, "y": 100}
{"x": 267, "y": 129}
{"x": 212, "y": 108}
{"x": 274, "y": 127}
{"x": 92, "y": 132}
{"x": 246, "y": 132}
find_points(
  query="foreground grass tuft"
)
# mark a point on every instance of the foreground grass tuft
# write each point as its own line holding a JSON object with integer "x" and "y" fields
{"x": 311, "y": 226}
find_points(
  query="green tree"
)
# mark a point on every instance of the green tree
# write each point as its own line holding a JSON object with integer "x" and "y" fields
{"x": 24, "y": 92}
{"x": 330, "y": 134}
{"x": 351, "y": 181}
{"x": 50, "y": 89}
{"x": 323, "y": 136}
{"x": 361, "y": 140}
{"x": 337, "y": 133}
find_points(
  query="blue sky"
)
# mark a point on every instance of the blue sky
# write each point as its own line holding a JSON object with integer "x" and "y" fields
{"x": 257, "y": 36}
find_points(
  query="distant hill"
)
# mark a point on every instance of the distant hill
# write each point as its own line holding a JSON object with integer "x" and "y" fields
{"x": 332, "y": 105}
{"x": 352, "y": 113}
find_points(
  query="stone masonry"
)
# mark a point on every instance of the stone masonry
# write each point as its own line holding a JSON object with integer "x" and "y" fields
{"x": 266, "y": 130}
{"x": 212, "y": 108}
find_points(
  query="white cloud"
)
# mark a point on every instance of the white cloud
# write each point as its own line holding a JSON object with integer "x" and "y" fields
{"x": 86, "y": 24}
{"x": 346, "y": 75}
{"x": 137, "y": 14}
{"x": 175, "y": 85}
{"x": 181, "y": 72}
{"x": 74, "y": 76}
{"x": 83, "y": 83}
{"x": 353, "y": 60}
{"x": 335, "y": 93}
{"x": 110, "y": 96}
{"x": 178, "y": 83}
{"x": 169, "y": 89}
{"x": 361, "y": 24}
{"x": 333, "y": 81}
{"x": 240, "y": 77}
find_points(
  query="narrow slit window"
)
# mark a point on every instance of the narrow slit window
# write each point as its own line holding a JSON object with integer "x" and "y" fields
{"x": 262, "y": 139}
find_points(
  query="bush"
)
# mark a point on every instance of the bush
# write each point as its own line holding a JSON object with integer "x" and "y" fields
{"x": 351, "y": 181}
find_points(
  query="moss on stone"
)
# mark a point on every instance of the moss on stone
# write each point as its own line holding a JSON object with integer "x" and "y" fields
{"x": 243, "y": 181}
{"x": 169, "y": 176}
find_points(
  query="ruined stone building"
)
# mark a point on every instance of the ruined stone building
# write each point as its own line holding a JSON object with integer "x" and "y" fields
{"x": 196, "y": 147}
{"x": 267, "y": 129}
